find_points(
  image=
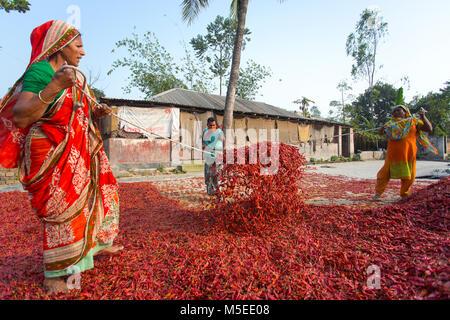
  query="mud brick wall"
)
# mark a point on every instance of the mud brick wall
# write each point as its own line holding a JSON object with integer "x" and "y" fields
{"x": 8, "y": 176}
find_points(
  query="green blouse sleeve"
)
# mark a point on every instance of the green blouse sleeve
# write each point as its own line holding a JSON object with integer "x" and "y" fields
{"x": 37, "y": 77}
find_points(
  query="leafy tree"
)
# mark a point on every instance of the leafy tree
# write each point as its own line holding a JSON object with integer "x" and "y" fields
{"x": 250, "y": 79}
{"x": 363, "y": 44}
{"x": 152, "y": 67}
{"x": 98, "y": 93}
{"x": 331, "y": 115}
{"x": 336, "y": 111}
{"x": 15, "y": 5}
{"x": 315, "y": 112}
{"x": 196, "y": 76}
{"x": 437, "y": 105}
{"x": 216, "y": 47}
{"x": 342, "y": 107}
{"x": 372, "y": 109}
{"x": 238, "y": 9}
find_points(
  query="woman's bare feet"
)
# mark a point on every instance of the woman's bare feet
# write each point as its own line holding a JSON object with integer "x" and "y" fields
{"x": 110, "y": 251}
{"x": 55, "y": 285}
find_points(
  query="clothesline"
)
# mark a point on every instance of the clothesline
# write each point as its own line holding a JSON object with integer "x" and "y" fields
{"x": 189, "y": 146}
{"x": 359, "y": 131}
{"x": 150, "y": 132}
{"x": 207, "y": 152}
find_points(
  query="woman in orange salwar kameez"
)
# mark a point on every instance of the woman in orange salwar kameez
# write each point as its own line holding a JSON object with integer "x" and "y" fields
{"x": 402, "y": 132}
{"x": 47, "y": 131}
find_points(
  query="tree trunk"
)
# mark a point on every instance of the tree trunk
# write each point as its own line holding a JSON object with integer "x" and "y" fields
{"x": 234, "y": 75}
{"x": 220, "y": 73}
{"x": 343, "y": 106}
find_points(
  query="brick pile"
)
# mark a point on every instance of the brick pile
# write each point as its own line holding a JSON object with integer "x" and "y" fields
{"x": 8, "y": 176}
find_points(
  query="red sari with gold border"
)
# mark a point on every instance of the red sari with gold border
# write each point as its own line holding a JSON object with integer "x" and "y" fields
{"x": 63, "y": 166}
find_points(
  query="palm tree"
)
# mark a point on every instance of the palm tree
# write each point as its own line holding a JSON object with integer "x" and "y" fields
{"x": 238, "y": 9}
{"x": 303, "y": 103}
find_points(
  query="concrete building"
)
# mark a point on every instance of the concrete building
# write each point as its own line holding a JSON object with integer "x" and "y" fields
{"x": 440, "y": 143}
{"x": 181, "y": 115}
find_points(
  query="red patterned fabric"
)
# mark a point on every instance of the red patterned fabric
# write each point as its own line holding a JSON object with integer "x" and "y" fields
{"x": 46, "y": 39}
{"x": 63, "y": 166}
{"x": 37, "y": 40}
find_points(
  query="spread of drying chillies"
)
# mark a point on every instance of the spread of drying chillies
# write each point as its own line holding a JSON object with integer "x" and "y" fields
{"x": 178, "y": 251}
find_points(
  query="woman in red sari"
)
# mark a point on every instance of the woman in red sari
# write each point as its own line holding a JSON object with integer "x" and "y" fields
{"x": 47, "y": 131}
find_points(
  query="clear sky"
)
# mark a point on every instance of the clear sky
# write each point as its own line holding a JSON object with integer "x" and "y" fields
{"x": 302, "y": 41}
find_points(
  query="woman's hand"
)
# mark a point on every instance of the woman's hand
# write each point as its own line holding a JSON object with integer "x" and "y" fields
{"x": 30, "y": 107}
{"x": 64, "y": 78}
{"x": 427, "y": 126}
{"x": 101, "y": 110}
{"x": 422, "y": 114}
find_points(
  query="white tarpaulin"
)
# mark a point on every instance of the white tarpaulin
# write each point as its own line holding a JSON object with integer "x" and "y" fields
{"x": 162, "y": 121}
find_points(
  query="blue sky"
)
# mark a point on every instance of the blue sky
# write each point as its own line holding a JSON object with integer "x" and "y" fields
{"x": 303, "y": 42}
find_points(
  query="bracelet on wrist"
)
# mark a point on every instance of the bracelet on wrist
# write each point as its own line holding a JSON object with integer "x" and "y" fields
{"x": 42, "y": 100}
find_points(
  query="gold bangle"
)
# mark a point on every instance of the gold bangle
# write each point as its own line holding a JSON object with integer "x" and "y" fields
{"x": 42, "y": 100}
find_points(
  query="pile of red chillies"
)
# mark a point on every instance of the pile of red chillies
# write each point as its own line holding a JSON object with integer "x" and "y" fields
{"x": 253, "y": 194}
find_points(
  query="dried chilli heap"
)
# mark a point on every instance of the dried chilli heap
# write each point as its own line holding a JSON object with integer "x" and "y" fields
{"x": 259, "y": 184}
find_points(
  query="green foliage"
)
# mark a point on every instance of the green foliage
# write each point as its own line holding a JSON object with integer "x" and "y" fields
{"x": 372, "y": 109}
{"x": 238, "y": 9}
{"x": 98, "y": 93}
{"x": 369, "y": 141}
{"x": 250, "y": 80}
{"x": 15, "y": 5}
{"x": 315, "y": 112}
{"x": 216, "y": 47}
{"x": 399, "y": 100}
{"x": 304, "y": 103}
{"x": 356, "y": 157}
{"x": 438, "y": 106}
{"x": 342, "y": 108}
{"x": 152, "y": 67}
{"x": 362, "y": 45}
{"x": 178, "y": 170}
{"x": 197, "y": 77}
{"x": 371, "y": 117}
{"x": 191, "y": 8}
{"x": 334, "y": 159}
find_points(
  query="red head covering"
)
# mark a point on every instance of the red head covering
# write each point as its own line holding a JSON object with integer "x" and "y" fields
{"x": 46, "y": 39}
{"x": 49, "y": 38}
{"x": 37, "y": 39}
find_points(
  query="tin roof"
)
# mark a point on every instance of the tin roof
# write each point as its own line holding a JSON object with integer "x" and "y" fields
{"x": 183, "y": 97}
{"x": 197, "y": 100}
